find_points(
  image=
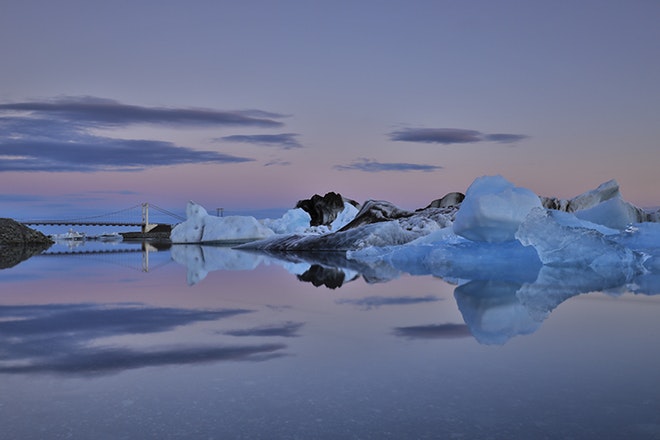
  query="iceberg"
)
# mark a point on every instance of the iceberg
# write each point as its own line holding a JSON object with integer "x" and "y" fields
{"x": 493, "y": 209}
{"x": 377, "y": 224}
{"x": 603, "y": 205}
{"x": 200, "y": 227}
{"x": 565, "y": 246}
{"x": 496, "y": 232}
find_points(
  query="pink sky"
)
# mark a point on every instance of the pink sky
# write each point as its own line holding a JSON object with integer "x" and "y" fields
{"x": 247, "y": 107}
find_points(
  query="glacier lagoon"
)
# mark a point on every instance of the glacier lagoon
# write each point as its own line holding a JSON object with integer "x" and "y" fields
{"x": 494, "y": 314}
{"x": 213, "y": 342}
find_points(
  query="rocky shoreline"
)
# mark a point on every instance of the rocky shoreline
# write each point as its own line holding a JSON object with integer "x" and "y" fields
{"x": 18, "y": 243}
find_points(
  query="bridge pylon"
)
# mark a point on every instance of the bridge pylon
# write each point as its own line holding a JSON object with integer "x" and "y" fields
{"x": 146, "y": 226}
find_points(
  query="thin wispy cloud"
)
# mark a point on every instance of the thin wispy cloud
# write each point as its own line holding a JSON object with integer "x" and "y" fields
{"x": 57, "y": 135}
{"x": 98, "y": 112}
{"x": 449, "y": 136}
{"x": 87, "y": 153}
{"x": 285, "y": 141}
{"x": 280, "y": 162}
{"x": 373, "y": 166}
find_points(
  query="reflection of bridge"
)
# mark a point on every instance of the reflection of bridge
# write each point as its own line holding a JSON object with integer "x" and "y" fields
{"x": 114, "y": 256}
{"x": 137, "y": 215}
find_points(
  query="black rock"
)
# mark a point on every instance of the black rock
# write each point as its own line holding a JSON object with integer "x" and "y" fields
{"x": 322, "y": 210}
{"x": 18, "y": 242}
{"x": 453, "y": 199}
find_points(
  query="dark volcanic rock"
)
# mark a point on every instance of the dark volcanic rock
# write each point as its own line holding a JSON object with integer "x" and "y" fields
{"x": 18, "y": 243}
{"x": 323, "y": 210}
{"x": 453, "y": 199}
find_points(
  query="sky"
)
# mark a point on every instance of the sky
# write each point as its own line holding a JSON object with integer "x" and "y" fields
{"x": 258, "y": 104}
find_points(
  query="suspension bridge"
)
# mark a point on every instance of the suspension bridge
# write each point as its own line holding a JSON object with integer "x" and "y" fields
{"x": 137, "y": 215}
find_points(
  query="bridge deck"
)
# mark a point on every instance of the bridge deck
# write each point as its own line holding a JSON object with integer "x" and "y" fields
{"x": 78, "y": 223}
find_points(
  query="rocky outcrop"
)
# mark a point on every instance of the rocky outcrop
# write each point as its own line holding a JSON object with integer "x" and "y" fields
{"x": 324, "y": 209}
{"x": 450, "y": 200}
{"x": 18, "y": 242}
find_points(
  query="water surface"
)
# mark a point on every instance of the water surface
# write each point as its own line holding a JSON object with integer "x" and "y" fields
{"x": 129, "y": 345}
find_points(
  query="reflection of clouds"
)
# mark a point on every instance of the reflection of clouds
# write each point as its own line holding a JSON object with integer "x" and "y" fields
{"x": 62, "y": 338}
{"x": 93, "y": 360}
{"x": 372, "y": 302}
{"x": 288, "y": 329}
{"x": 433, "y": 331}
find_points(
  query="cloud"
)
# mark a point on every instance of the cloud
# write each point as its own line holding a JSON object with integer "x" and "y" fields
{"x": 64, "y": 338}
{"x": 505, "y": 138}
{"x": 100, "y": 112}
{"x": 95, "y": 153}
{"x": 279, "y": 162}
{"x": 372, "y": 302}
{"x": 372, "y": 166}
{"x": 57, "y": 135}
{"x": 449, "y": 136}
{"x": 288, "y": 329}
{"x": 434, "y": 331}
{"x": 286, "y": 141}
{"x": 21, "y": 198}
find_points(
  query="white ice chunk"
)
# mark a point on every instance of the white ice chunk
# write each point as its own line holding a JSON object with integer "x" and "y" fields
{"x": 613, "y": 213}
{"x": 294, "y": 221}
{"x": 562, "y": 246}
{"x": 493, "y": 209}
{"x": 200, "y": 227}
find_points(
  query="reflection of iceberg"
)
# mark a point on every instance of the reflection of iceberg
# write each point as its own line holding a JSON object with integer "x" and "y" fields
{"x": 200, "y": 260}
{"x": 493, "y": 312}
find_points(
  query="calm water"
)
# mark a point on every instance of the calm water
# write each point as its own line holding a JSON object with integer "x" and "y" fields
{"x": 92, "y": 346}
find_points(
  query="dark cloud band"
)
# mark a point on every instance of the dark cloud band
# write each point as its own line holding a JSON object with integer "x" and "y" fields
{"x": 449, "y": 136}
{"x": 57, "y": 136}
{"x": 104, "y": 112}
{"x": 284, "y": 140}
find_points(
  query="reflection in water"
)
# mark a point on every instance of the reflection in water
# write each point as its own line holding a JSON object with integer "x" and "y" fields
{"x": 285, "y": 330}
{"x": 330, "y": 277}
{"x": 433, "y": 331}
{"x": 372, "y": 302}
{"x": 65, "y": 338}
{"x": 501, "y": 291}
{"x": 95, "y": 351}
{"x": 493, "y": 312}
